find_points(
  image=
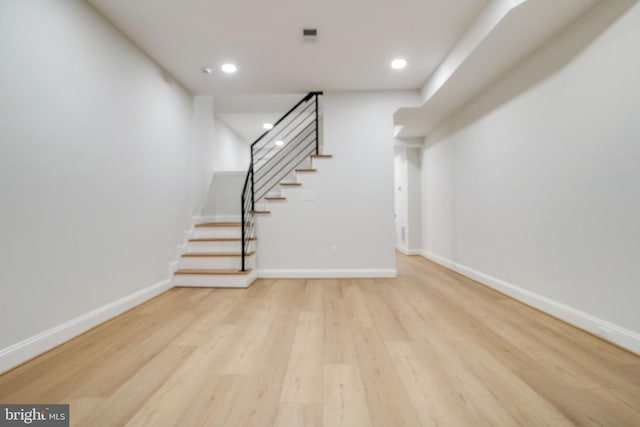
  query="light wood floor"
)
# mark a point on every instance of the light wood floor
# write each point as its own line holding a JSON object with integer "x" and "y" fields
{"x": 431, "y": 348}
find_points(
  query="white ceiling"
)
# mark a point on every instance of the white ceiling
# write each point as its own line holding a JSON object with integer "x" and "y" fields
{"x": 357, "y": 40}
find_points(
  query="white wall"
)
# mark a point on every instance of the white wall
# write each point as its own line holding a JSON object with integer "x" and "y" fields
{"x": 408, "y": 211}
{"x": 401, "y": 202}
{"x": 414, "y": 199}
{"x": 205, "y": 149}
{"x": 99, "y": 174}
{"x": 223, "y": 200}
{"x": 223, "y": 152}
{"x": 231, "y": 152}
{"x": 352, "y": 210}
{"x": 534, "y": 187}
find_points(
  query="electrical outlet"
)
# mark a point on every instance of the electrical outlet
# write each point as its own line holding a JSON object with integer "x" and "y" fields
{"x": 334, "y": 251}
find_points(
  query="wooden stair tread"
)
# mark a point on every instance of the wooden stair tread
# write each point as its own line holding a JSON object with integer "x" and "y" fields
{"x": 275, "y": 198}
{"x": 219, "y": 239}
{"x": 306, "y": 170}
{"x": 217, "y": 254}
{"x": 261, "y": 212}
{"x": 291, "y": 183}
{"x": 199, "y": 271}
{"x": 321, "y": 156}
{"x": 219, "y": 224}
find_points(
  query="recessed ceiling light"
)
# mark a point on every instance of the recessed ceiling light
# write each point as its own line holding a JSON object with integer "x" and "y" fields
{"x": 279, "y": 143}
{"x": 267, "y": 126}
{"x": 398, "y": 64}
{"x": 207, "y": 70}
{"x": 229, "y": 68}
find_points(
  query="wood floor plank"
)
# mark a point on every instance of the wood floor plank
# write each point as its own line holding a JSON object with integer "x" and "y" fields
{"x": 182, "y": 388}
{"x": 20, "y": 383}
{"x": 263, "y": 386}
{"x": 584, "y": 407}
{"x": 561, "y": 362}
{"x": 433, "y": 399}
{"x": 460, "y": 383}
{"x": 134, "y": 393}
{"x": 454, "y": 323}
{"x": 385, "y": 319}
{"x": 123, "y": 365}
{"x": 216, "y": 311}
{"x": 242, "y": 354}
{"x": 387, "y": 399}
{"x": 213, "y": 406}
{"x": 299, "y": 414}
{"x": 355, "y": 303}
{"x": 303, "y": 381}
{"x": 526, "y": 406}
{"x": 337, "y": 339}
{"x": 344, "y": 400}
{"x": 82, "y": 407}
{"x": 430, "y": 348}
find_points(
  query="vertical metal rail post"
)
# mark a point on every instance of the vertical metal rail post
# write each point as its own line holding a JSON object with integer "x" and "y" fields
{"x": 253, "y": 194}
{"x": 317, "y": 134}
{"x": 243, "y": 252}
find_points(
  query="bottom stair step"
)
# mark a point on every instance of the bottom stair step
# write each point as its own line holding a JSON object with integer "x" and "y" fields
{"x": 214, "y": 278}
{"x": 212, "y": 272}
{"x": 216, "y": 254}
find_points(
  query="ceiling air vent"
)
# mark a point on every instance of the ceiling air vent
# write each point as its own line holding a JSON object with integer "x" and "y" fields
{"x": 310, "y": 34}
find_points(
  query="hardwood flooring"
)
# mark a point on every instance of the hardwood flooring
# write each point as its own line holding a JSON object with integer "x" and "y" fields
{"x": 430, "y": 348}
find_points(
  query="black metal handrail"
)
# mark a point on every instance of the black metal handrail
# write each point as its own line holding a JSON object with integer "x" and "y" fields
{"x": 298, "y": 132}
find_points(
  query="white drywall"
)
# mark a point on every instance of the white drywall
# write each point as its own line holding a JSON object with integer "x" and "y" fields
{"x": 231, "y": 151}
{"x": 534, "y": 187}
{"x": 352, "y": 206}
{"x": 205, "y": 150}
{"x": 223, "y": 200}
{"x": 408, "y": 211}
{"x": 414, "y": 199}
{"x": 99, "y": 174}
{"x": 401, "y": 202}
{"x": 223, "y": 152}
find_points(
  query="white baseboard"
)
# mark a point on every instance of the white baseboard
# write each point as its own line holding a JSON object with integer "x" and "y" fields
{"x": 27, "y": 349}
{"x": 602, "y": 328}
{"x": 409, "y": 252}
{"x": 328, "y": 273}
{"x": 173, "y": 267}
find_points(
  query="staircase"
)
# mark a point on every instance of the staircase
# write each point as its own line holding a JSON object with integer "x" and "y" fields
{"x": 223, "y": 254}
{"x": 213, "y": 257}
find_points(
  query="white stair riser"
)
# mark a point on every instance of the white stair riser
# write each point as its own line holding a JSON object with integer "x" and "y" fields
{"x": 212, "y": 263}
{"x": 199, "y": 232}
{"x": 262, "y": 205}
{"x": 212, "y": 280}
{"x": 234, "y": 246}
{"x": 306, "y": 164}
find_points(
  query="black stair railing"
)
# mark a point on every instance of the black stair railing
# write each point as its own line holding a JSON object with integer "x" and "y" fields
{"x": 274, "y": 155}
